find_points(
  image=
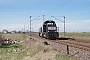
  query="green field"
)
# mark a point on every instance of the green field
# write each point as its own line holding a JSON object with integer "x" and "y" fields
{"x": 76, "y": 35}
{"x": 20, "y": 51}
{"x": 12, "y": 51}
{"x": 14, "y": 36}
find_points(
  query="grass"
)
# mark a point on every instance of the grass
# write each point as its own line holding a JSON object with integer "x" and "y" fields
{"x": 77, "y": 34}
{"x": 15, "y": 36}
{"x": 8, "y": 52}
{"x": 12, "y": 46}
{"x": 34, "y": 52}
{"x": 13, "y": 51}
{"x": 83, "y": 35}
{"x": 62, "y": 57}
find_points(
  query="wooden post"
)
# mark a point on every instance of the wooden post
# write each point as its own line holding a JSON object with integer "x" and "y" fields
{"x": 67, "y": 49}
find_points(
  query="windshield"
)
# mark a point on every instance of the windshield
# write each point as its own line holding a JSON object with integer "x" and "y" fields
{"x": 51, "y": 28}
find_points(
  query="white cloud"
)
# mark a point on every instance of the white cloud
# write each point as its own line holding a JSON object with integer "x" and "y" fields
{"x": 85, "y": 21}
{"x": 19, "y": 27}
{"x": 11, "y": 27}
{"x": 80, "y": 26}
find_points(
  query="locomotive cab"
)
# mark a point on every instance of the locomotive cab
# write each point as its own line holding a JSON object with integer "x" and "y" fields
{"x": 49, "y": 30}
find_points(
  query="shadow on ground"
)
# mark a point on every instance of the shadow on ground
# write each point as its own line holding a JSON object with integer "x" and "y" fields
{"x": 62, "y": 38}
{"x": 10, "y": 46}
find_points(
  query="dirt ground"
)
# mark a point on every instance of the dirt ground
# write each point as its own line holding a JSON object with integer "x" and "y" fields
{"x": 43, "y": 52}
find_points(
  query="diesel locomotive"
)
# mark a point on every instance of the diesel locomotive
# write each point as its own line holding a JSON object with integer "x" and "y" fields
{"x": 49, "y": 30}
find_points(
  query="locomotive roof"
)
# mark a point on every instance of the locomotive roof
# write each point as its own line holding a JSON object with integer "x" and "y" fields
{"x": 49, "y": 21}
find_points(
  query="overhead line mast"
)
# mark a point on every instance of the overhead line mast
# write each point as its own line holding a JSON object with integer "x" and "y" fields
{"x": 30, "y": 25}
{"x": 43, "y": 18}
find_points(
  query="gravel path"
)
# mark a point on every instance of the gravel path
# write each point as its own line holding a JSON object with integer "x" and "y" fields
{"x": 77, "y": 53}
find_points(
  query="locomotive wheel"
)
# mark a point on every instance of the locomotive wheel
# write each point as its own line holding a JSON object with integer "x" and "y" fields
{"x": 39, "y": 34}
{"x": 44, "y": 36}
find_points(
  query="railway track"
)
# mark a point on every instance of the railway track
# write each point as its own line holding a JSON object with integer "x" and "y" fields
{"x": 81, "y": 44}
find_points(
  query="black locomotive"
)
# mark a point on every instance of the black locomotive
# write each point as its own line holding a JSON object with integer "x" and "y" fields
{"x": 49, "y": 30}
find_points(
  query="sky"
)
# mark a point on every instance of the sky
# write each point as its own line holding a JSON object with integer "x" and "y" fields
{"x": 15, "y": 14}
